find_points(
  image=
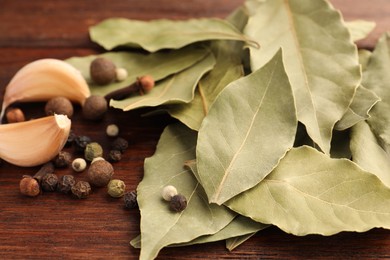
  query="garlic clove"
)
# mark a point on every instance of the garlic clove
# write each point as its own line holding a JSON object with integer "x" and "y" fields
{"x": 43, "y": 79}
{"x": 34, "y": 142}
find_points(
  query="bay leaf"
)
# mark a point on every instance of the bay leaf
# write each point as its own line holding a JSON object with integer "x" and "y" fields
{"x": 193, "y": 113}
{"x": 177, "y": 88}
{"x": 160, "y": 34}
{"x": 234, "y": 242}
{"x": 360, "y": 29}
{"x": 376, "y": 77}
{"x": 238, "y": 227}
{"x": 320, "y": 59}
{"x": 160, "y": 226}
{"x": 249, "y": 128}
{"x": 158, "y": 65}
{"x": 228, "y": 68}
{"x": 310, "y": 193}
{"x": 368, "y": 154}
{"x": 364, "y": 57}
{"x": 363, "y": 101}
{"x": 136, "y": 242}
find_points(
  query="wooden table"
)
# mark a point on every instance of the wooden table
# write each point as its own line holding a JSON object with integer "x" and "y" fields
{"x": 54, "y": 225}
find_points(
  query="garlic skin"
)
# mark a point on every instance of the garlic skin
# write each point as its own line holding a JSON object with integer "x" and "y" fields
{"x": 34, "y": 142}
{"x": 44, "y": 79}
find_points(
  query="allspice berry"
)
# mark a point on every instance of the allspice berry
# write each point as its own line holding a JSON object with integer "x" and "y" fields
{"x": 15, "y": 115}
{"x": 94, "y": 107}
{"x": 102, "y": 71}
{"x": 100, "y": 173}
{"x": 59, "y": 105}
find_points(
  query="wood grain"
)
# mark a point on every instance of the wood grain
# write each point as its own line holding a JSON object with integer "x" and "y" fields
{"x": 56, "y": 226}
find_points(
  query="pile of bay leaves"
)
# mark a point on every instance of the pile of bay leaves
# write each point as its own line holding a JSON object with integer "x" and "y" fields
{"x": 282, "y": 121}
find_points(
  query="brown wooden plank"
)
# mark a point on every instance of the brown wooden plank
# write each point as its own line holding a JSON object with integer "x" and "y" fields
{"x": 48, "y": 23}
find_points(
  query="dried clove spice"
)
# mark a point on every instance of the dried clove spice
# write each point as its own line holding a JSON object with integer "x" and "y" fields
{"x": 142, "y": 85}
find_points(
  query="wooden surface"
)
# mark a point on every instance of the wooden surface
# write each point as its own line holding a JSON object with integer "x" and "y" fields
{"x": 55, "y": 226}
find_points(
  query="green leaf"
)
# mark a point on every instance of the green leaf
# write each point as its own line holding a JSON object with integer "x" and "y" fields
{"x": 227, "y": 69}
{"x": 360, "y": 29}
{"x": 364, "y": 57}
{"x": 193, "y": 113}
{"x": 363, "y": 101}
{"x": 319, "y": 56}
{"x": 376, "y": 78}
{"x": 155, "y": 35}
{"x": 249, "y": 128}
{"x": 368, "y": 154}
{"x": 177, "y": 88}
{"x": 239, "y": 226}
{"x": 310, "y": 193}
{"x": 158, "y": 65}
{"x": 234, "y": 242}
{"x": 161, "y": 227}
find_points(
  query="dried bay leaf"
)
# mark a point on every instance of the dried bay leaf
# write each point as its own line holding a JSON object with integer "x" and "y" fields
{"x": 234, "y": 242}
{"x": 360, "y": 29}
{"x": 310, "y": 193}
{"x": 363, "y": 101}
{"x": 238, "y": 227}
{"x": 158, "y": 65}
{"x": 178, "y": 88}
{"x": 376, "y": 77}
{"x": 364, "y": 57}
{"x": 160, "y": 34}
{"x": 227, "y": 69}
{"x": 161, "y": 227}
{"x": 368, "y": 154}
{"x": 323, "y": 73}
{"x": 249, "y": 128}
{"x": 193, "y": 113}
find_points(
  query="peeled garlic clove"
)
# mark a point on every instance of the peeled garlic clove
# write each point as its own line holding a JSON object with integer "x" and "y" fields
{"x": 43, "y": 79}
{"x": 34, "y": 142}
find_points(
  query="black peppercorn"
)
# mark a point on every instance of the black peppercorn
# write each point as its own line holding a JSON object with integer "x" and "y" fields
{"x": 115, "y": 156}
{"x": 62, "y": 160}
{"x": 80, "y": 142}
{"x": 120, "y": 144}
{"x": 130, "y": 199}
{"x": 81, "y": 189}
{"x": 71, "y": 138}
{"x": 65, "y": 183}
{"x": 178, "y": 203}
{"x": 49, "y": 182}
